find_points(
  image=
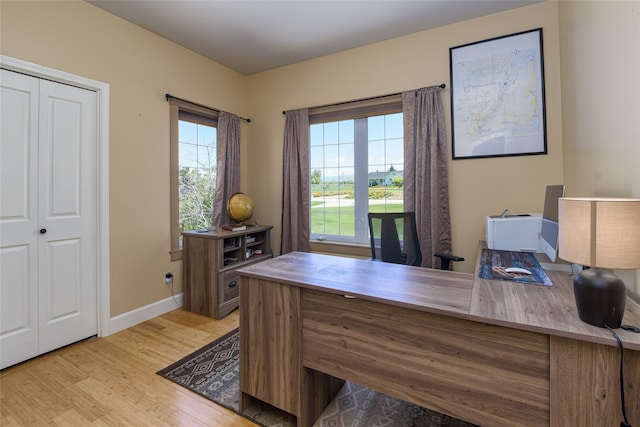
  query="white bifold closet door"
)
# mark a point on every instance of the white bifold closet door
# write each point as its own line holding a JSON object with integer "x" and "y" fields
{"x": 48, "y": 218}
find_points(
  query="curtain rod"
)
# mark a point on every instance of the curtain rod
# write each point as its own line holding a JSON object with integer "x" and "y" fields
{"x": 169, "y": 96}
{"x": 441, "y": 86}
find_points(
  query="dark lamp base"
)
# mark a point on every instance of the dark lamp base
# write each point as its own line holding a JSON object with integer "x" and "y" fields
{"x": 600, "y": 297}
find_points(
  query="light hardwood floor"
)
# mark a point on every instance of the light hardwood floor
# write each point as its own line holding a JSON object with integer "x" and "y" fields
{"x": 112, "y": 381}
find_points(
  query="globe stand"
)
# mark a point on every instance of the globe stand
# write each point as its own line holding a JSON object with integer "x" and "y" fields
{"x": 235, "y": 227}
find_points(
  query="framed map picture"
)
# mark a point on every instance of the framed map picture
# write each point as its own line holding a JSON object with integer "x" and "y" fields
{"x": 497, "y": 97}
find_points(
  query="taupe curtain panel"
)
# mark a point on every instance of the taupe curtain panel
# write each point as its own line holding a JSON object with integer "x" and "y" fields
{"x": 295, "y": 183}
{"x": 228, "y": 166}
{"x": 426, "y": 189}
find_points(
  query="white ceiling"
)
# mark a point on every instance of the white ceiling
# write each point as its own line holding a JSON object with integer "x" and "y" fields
{"x": 254, "y": 36}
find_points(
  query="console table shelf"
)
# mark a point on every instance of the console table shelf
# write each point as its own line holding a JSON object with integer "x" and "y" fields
{"x": 210, "y": 264}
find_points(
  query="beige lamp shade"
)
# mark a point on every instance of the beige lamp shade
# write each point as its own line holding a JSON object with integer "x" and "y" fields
{"x": 600, "y": 232}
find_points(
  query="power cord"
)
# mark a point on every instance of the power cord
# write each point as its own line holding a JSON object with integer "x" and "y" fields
{"x": 624, "y": 423}
{"x": 168, "y": 280}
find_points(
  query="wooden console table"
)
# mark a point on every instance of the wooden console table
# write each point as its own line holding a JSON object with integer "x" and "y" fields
{"x": 210, "y": 263}
{"x": 490, "y": 352}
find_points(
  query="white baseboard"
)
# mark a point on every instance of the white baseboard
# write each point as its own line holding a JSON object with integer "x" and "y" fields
{"x": 139, "y": 315}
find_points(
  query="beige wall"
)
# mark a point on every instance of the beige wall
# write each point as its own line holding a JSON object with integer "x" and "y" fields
{"x": 140, "y": 67}
{"x": 600, "y": 47}
{"x": 478, "y": 187}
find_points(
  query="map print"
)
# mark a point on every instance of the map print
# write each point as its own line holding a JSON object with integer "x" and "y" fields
{"x": 498, "y": 98}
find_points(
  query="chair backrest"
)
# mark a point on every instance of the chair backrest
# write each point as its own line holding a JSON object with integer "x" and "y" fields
{"x": 394, "y": 238}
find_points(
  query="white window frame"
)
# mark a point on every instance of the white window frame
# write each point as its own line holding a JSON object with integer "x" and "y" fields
{"x": 359, "y": 111}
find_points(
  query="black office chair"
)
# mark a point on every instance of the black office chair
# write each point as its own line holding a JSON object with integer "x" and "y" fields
{"x": 394, "y": 239}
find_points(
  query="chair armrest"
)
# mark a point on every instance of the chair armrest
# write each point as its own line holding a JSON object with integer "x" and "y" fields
{"x": 446, "y": 259}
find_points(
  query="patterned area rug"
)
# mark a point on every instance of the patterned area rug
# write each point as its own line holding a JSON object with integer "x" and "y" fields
{"x": 213, "y": 372}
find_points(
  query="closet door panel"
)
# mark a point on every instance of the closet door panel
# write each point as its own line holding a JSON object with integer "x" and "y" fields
{"x": 48, "y": 216}
{"x": 18, "y": 217}
{"x": 68, "y": 188}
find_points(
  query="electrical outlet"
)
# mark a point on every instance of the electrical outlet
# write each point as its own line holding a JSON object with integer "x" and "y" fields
{"x": 168, "y": 278}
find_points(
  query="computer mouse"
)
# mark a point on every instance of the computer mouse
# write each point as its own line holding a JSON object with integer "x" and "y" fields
{"x": 517, "y": 270}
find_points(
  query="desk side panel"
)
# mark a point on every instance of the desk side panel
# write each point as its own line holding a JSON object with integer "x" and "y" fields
{"x": 271, "y": 355}
{"x": 585, "y": 384}
{"x": 488, "y": 375}
{"x": 270, "y": 341}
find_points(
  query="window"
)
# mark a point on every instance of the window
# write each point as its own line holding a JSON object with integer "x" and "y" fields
{"x": 193, "y": 170}
{"x": 356, "y": 167}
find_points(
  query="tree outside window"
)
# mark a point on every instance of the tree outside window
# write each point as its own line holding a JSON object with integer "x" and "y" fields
{"x": 193, "y": 164}
{"x": 197, "y": 174}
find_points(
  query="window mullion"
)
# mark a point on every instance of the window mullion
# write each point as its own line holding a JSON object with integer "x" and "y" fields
{"x": 361, "y": 185}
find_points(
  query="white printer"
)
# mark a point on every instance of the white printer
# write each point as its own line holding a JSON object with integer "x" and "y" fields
{"x": 514, "y": 232}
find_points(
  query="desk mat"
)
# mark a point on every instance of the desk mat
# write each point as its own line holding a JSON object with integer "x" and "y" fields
{"x": 493, "y": 262}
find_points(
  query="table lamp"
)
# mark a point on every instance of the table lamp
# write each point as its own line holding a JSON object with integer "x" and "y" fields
{"x": 603, "y": 234}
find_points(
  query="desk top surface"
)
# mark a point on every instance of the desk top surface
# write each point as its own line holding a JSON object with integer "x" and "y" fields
{"x": 544, "y": 309}
{"x": 549, "y": 310}
{"x": 423, "y": 289}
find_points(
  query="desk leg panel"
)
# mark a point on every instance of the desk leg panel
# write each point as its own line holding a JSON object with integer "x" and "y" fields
{"x": 270, "y": 353}
{"x": 484, "y": 374}
{"x": 270, "y": 340}
{"x": 585, "y": 384}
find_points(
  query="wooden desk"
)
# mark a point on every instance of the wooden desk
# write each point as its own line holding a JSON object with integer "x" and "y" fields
{"x": 492, "y": 353}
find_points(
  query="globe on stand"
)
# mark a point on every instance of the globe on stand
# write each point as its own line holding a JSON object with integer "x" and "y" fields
{"x": 240, "y": 207}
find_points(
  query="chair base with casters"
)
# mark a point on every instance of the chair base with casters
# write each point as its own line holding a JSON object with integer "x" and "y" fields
{"x": 446, "y": 259}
